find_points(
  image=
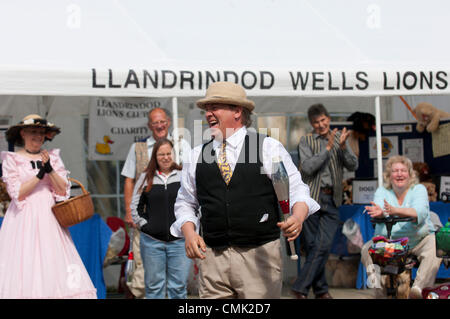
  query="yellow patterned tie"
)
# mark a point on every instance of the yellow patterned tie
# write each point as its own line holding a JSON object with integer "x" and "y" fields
{"x": 224, "y": 166}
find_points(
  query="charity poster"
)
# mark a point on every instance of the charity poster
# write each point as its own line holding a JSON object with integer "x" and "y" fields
{"x": 389, "y": 146}
{"x": 440, "y": 140}
{"x": 412, "y": 148}
{"x": 116, "y": 123}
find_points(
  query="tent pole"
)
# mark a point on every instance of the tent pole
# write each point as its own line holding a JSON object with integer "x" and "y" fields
{"x": 119, "y": 205}
{"x": 175, "y": 134}
{"x": 378, "y": 137}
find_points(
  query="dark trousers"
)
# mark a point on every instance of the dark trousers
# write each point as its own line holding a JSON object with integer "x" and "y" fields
{"x": 316, "y": 239}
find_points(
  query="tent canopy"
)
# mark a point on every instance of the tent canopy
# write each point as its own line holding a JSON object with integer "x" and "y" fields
{"x": 57, "y": 54}
{"x": 271, "y": 47}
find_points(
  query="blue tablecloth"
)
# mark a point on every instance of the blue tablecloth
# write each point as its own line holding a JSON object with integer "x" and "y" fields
{"x": 367, "y": 231}
{"x": 91, "y": 238}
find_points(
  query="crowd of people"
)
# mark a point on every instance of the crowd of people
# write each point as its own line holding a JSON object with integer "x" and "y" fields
{"x": 217, "y": 206}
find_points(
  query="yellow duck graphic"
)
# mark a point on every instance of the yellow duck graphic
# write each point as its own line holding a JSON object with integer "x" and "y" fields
{"x": 104, "y": 148}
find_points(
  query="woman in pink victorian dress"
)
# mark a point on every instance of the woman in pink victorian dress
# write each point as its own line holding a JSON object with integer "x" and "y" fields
{"x": 38, "y": 258}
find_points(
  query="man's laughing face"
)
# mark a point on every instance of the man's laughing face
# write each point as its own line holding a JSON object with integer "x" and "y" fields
{"x": 222, "y": 119}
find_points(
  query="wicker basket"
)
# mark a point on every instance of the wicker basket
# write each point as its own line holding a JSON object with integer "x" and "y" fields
{"x": 74, "y": 210}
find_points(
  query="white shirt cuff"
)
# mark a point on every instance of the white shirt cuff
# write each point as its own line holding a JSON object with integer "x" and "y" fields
{"x": 175, "y": 228}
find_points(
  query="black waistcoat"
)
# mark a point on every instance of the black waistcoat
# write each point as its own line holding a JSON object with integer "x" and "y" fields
{"x": 243, "y": 213}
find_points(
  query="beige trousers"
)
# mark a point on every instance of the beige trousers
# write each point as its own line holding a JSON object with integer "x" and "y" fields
{"x": 242, "y": 272}
{"x": 137, "y": 284}
{"x": 426, "y": 254}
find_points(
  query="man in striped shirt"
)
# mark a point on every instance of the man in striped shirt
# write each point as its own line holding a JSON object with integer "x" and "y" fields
{"x": 323, "y": 155}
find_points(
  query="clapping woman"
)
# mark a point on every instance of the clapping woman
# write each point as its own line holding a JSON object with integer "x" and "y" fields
{"x": 166, "y": 265}
{"x": 402, "y": 196}
{"x": 38, "y": 258}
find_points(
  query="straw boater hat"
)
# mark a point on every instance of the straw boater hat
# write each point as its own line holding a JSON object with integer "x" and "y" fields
{"x": 226, "y": 93}
{"x": 32, "y": 120}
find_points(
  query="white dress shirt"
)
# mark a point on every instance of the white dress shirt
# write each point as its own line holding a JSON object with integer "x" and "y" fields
{"x": 187, "y": 204}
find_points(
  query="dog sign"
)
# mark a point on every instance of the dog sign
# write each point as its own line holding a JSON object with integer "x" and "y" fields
{"x": 363, "y": 191}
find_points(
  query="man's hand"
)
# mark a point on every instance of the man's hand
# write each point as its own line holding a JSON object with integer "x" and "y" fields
{"x": 343, "y": 138}
{"x": 129, "y": 220}
{"x": 331, "y": 136}
{"x": 292, "y": 227}
{"x": 127, "y": 195}
{"x": 194, "y": 243}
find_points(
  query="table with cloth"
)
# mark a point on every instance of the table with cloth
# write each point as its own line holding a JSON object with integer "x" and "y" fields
{"x": 91, "y": 238}
{"x": 367, "y": 231}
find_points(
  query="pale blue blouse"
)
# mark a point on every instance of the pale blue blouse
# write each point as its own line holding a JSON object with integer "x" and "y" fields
{"x": 417, "y": 198}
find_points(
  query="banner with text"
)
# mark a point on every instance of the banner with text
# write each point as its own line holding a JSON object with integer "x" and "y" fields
{"x": 116, "y": 123}
{"x": 176, "y": 82}
{"x": 290, "y": 82}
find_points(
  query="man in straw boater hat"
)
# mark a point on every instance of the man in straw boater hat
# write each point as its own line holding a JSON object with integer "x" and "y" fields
{"x": 229, "y": 179}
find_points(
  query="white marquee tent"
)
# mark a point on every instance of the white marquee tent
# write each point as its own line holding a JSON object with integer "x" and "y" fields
{"x": 286, "y": 53}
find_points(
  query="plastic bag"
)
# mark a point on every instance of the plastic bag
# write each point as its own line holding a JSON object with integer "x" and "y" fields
{"x": 352, "y": 231}
{"x": 115, "y": 246}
